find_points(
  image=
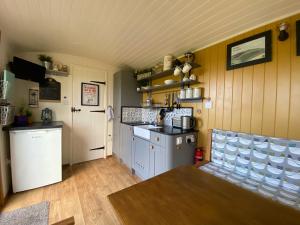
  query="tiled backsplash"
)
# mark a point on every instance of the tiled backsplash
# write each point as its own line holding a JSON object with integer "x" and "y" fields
{"x": 136, "y": 114}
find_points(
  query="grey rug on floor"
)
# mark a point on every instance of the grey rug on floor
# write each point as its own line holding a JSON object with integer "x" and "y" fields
{"x": 33, "y": 215}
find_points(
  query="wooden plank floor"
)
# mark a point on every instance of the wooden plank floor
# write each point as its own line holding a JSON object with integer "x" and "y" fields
{"x": 82, "y": 194}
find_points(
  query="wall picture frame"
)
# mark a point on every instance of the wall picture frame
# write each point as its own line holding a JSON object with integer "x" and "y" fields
{"x": 89, "y": 94}
{"x": 33, "y": 98}
{"x": 298, "y": 37}
{"x": 250, "y": 51}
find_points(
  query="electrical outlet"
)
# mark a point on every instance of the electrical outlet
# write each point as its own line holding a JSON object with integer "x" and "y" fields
{"x": 208, "y": 104}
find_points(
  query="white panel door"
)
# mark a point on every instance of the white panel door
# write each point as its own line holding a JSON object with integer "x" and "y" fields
{"x": 89, "y": 122}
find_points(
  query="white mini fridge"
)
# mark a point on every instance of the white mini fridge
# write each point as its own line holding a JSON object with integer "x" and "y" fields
{"x": 36, "y": 158}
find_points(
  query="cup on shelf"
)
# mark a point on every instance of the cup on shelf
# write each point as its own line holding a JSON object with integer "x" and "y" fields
{"x": 189, "y": 93}
{"x": 182, "y": 94}
{"x": 196, "y": 93}
{"x": 186, "y": 68}
{"x": 177, "y": 71}
{"x": 193, "y": 77}
{"x": 185, "y": 79}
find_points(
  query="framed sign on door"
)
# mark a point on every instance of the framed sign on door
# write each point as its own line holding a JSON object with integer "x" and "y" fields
{"x": 89, "y": 94}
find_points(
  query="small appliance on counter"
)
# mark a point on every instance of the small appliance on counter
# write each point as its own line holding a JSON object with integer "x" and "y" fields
{"x": 184, "y": 122}
{"x": 46, "y": 115}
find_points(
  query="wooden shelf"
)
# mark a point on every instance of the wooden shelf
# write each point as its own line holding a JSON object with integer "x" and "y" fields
{"x": 57, "y": 73}
{"x": 190, "y": 99}
{"x": 167, "y": 86}
{"x": 166, "y": 73}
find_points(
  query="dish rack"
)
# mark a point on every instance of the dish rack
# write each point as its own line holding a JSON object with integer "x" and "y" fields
{"x": 7, "y": 111}
{"x": 7, "y": 115}
{"x": 3, "y": 89}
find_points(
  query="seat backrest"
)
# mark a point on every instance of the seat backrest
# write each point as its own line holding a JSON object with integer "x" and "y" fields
{"x": 269, "y": 160}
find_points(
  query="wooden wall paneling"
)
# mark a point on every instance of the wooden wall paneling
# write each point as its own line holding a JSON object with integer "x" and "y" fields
{"x": 220, "y": 85}
{"x": 283, "y": 86}
{"x": 206, "y": 78}
{"x": 236, "y": 99}
{"x": 200, "y": 58}
{"x": 213, "y": 85}
{"x": 238, "y": 76}
{"x": 228, "y": 88}
{"x": 257, "y": 98}
{"x": 294, "y": 121}
{"x": 270, "y": 87}
{"x": 246, "y": 99}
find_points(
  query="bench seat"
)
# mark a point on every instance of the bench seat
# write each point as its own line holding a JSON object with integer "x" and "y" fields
{"x": 265, "y": 165}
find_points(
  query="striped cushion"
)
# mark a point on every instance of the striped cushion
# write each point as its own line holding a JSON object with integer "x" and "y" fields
{"x": 265, "y": 165}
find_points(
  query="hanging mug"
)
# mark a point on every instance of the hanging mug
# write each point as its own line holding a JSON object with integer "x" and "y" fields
{"x": 177, "y": 71}
{"x": 186, "y": 68}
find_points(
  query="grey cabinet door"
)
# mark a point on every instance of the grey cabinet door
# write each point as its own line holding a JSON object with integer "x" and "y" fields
{"x": 157, "y": 160}
{"x": 126, "y": 144}
{"x": 116, "y": 138}
{"x": 141, "y": 157}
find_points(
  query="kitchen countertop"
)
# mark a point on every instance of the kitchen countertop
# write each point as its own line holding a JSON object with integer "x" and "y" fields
{"x": 169, "y": 130}
{"x": 135, "y": 123}
{"x": 189, "y": 196}
{"x": 37, "y": 125}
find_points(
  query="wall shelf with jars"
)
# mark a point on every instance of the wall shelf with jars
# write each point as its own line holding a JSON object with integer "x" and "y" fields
{"x": 170, "y": 67}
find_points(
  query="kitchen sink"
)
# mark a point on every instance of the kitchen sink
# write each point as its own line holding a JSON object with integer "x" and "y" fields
{"x": 144, "y": 131}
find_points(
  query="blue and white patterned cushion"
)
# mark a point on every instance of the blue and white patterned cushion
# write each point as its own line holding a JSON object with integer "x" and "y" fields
{"x": 265, "y": 165}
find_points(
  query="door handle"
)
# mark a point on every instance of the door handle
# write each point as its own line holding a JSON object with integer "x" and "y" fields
{"x": 73, "y": 109}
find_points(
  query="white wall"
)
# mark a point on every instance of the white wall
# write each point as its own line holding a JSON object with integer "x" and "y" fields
{"x": 62, "y": 111}
{"x": 5, "y": 53}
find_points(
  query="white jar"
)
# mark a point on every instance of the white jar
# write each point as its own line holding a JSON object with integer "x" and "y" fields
{"x": 182, "y": 94}
{"x": 196, "y": 93}
{"x": 168, "y": 61}
{"x": 189, "y": 93}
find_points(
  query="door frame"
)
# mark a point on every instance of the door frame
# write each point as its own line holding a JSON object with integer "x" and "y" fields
{"x": 105, "y": 107}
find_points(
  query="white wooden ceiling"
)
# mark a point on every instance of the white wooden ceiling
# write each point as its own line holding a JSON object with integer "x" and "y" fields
{"x": 137, "y": 33}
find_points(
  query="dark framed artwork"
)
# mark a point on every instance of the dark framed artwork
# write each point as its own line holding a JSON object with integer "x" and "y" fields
{"x": 89, "y": 94}
{"x": 250, "y": 51}
{"x": 33, "y": 98}
{"x": 298, "y": 37}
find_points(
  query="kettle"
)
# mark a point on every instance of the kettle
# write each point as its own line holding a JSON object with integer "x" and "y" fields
{"x": 46, "y": 115}
{"x": 188, "y": 122}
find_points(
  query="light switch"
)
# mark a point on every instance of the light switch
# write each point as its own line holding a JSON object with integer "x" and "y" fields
{"x": 208, "y": 104}
{"x": 65, "y": 100}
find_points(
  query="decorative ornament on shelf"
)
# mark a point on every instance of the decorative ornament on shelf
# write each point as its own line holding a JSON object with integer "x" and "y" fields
{"x": 189, "y": 57}
{"x": 46, "y": 61}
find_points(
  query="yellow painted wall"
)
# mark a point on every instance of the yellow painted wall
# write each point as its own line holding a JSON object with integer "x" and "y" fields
{"x": 260, "y": 99}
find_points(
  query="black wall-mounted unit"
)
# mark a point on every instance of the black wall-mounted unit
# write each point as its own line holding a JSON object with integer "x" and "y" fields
{"x": 50, "y": 89}
{"x": 26, "y": 70}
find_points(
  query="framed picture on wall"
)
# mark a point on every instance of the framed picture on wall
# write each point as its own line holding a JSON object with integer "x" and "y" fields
{"x": 33, "y": 98}
{"x": 298, "y": 37}
{"x": 89, "y": 94}
{"x": 250, "y": 51}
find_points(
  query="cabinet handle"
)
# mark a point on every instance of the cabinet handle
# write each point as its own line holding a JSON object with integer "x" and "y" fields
{"x": 157, "y": 138}
{"x": 152, "y": 147}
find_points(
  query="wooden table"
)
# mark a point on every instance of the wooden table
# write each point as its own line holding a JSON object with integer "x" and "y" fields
{"x": 186, "y": 196}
